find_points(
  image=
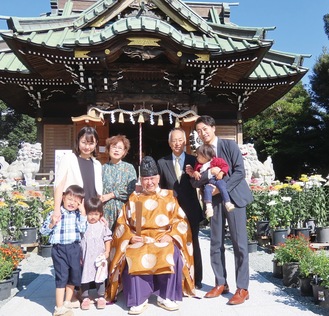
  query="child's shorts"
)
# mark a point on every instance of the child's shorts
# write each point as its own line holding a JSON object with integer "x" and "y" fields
{"x": 66, "y": 259}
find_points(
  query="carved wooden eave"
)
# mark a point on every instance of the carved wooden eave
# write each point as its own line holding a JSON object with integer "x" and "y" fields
{"x": 157, "y": 51}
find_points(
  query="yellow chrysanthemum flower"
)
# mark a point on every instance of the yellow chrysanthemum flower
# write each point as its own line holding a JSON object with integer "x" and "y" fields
{"x": 22, "y": 204}
{"x": 3, "y": 204}
{"x": 18, "y": 196}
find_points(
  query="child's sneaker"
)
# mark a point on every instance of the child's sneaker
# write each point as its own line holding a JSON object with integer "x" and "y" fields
{"x": 101, "y": 303}
{"x": 229, "y": 206}
{"x": 209, "y": 211}
{"x": 72, "y": 304}
{"x": 85, "y": 305}
{"x": 62, "y": 311}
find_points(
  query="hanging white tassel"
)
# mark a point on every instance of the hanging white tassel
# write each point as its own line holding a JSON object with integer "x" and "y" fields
{"x": 152, "y": 119}
{"x": 132, "y": 120}
{"x": 170, "y": 118}
{"x": 112, "y": 117}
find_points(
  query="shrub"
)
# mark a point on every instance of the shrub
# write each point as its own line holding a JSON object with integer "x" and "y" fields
{"x": 294, "y": 249}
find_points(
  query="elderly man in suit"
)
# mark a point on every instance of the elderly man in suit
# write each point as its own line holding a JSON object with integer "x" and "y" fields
{"x": 173, "y": 177}
{"x": 241, "y": 196}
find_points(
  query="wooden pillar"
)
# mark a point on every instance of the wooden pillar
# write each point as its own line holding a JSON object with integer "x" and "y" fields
{"x": 188, "y": 126}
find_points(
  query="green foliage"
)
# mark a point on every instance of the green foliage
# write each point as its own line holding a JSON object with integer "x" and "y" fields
{"x": 320, "y": 97}
{"x": 321, "y": 268}
{"x": 44, "y": 239}
{"x": 326, "y": 24}
{"x": 5, "y": 211}
{"x": 289, "y": 132}
{"x": 289, "y": 204}
{"x": 20, "y": 208}
{"x": 310, "y": 201}
{"x": 320, "y": 206}
{"x": 15, "y": 128}
{"x": 306, "y": 264}
{"x": 257, "y": 210}
{"x": 280, "y": 210}
{"x": 319, "y": 80}
{"x": 294, "y": 249}
{"x": 6, "y": 268}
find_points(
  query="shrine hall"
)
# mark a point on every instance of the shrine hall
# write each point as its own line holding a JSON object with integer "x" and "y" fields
{"x": 139, "y": 68}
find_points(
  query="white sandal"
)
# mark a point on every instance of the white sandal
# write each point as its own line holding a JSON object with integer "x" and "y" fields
{"x": 136, "y": 310}
{"x": 167, "y": 304}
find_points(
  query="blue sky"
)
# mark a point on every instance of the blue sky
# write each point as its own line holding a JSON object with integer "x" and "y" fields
{"x": 299, "y": 24}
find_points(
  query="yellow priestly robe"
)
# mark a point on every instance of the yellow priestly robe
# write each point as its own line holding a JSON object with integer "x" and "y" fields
{"x": 161, "y": 215}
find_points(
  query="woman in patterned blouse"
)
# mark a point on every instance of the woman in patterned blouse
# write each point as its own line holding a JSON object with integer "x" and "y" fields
{"x": 119, "y": 178}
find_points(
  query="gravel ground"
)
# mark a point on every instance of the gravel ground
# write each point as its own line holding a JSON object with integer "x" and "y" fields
{"x": 260, "y": 261}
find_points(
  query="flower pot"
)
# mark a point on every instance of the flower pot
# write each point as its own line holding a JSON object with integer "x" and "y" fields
{"x": 290, "y": 273}
{"x": 277, "y": 270}
{"x": 264, "y": 241}
{"x": 279, "y": 236}
{"x": 15, "y": 282}
{"x": 5, "y": 288}
{"x": 322, "y": 234}
{"x": 304, "y": 231}
{"x": 312, "y": 237}
{"x": 310, "y": 224}
{"x": 262, "y": 228}
{"x": 29, "y": 235}
{"x": 17, "y": 243}
{"x": 252, "y": 246}
{"x": 324, "y": 298}
{"x": 45, "y": 250}
{"x": 305, "y": 286}
{"x": 318, "y": 292}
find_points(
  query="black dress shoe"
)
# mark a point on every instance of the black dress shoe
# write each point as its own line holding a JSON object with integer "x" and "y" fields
{"x": 198, "y": 285}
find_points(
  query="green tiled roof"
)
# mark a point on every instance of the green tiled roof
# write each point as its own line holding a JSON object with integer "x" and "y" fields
{"x": 269, "y": 69}
{"x": 68, "y": 37}
{"x": 83, "y": 53}
{"x": 68, "y": 33}
{"x": 9, "y": 62}
{"x": 28, "y": 25}
{"x": 176, "y": 7}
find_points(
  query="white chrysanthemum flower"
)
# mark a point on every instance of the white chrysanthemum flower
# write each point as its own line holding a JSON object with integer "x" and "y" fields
{"x": 271, "y": 203}
{"x": 286, "y": 198}
{"x": 5, "y": 187}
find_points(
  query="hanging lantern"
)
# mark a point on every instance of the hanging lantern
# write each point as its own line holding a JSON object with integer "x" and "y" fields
{"x": 160, "y": 121}
{"x": 177, "y": 123}
{"x": 121, "y": 118}
{"x": 140, "y": 118}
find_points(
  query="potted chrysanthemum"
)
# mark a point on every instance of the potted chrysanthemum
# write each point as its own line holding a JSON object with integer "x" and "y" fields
{"x": 289, "y": 254}
{"x": 15, "y": 255}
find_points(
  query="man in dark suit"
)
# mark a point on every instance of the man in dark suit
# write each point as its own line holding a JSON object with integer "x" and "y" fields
{"x": 241, "y": 196}
{"x": 186, "y": 194}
